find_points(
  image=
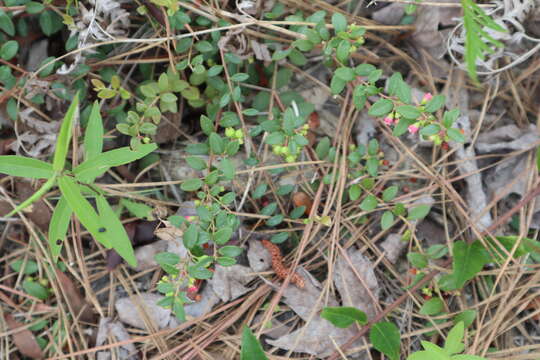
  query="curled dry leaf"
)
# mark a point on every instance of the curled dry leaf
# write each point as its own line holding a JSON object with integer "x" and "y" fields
{"x": 78, "y": 304}
{"x": 23, "y": 339}
{"x": 130, "y": 311}
{"x": 302, "y": 199}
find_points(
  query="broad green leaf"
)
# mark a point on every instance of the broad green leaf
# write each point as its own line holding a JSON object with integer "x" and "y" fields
{"x": 385, "y": 338}
{"x": 115, "y": 231}
{"x": 418, "y": 212}
{"x": 15, "y": 165}
{"x": 455, "y": 135}
{"x": 64, "y": 137}
{"x": 381, "y": 108}
{"x": 227, "y": 168}
{"x": 30, "y": 266}
{"x": 387, "y": 220}
{"x": 435, "y": 351}
{"x": 417, "y": 260}
{"x": 453, "y": 343}
{"x": 93, "y": 135}
{"x": 167, "y": 258}
{"x": 191, "y": 185}
{"x": 467, "y": 357}
{"x": 389, "y": 193}
{"x": 89, "y": 170}
{"x": 432, "y": 307}
{"x": 82, "y": 208}
{"x": 435, "y": 103}
{"x": 408, "y": 112}
{"x": 369, "y": 203}
{"x": 343, "y": 317}
{"x": 469, "y": 259}
{"x": 230, "y": 251}
{"x": 222, "y": 236}
{"x": 339, "y": 21}
{"x": 9, "y": 50}
{"x": 259, "y": 191}
{"x": 35, "y": 289}
{"x": 196, "y": 162}
{"x": 251, "y": 348}
{"x": 59, "y": 226}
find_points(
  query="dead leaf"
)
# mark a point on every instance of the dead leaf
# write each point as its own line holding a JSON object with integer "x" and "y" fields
{"x": 361, "y": 293}
{"x": 393, "y": 247}
{"x": 389, "y": 15}
{"x": 204, "y": 305}
{"x": 228, "y": 282}
{"x": 259, "y": 258}
{"x": 129, "y": 311}
{"x": 39, "y": 213}
{"x": 81, "y": 308}
{"x": 24, "y": 340}
{"x": 118, "y": 332}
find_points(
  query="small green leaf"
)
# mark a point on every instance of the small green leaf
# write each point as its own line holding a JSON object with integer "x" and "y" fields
{"x": 239, "y": 77}
{"x": 275, "y": 220}
{"x": 437, "y": 251}
{"x": 269, "y": 209}
{"x": 9, "y": 49}
{"x": 432, "y": 307}
{"x": 35, "y": 289}
{"x": 408, "y": 112}
{"x": 227, "y": 168}
{"x": 323, "y": 147}
{"x": 199, "y": 272}
{"x": 385, "y": 338}
{"x": 381, "y": 108}
{"x": 345, "y": 73}
{"x": 455, "y": 135}
{"x": 30, "y": 267}
{"x": 279, "y": 237}
{"x": 343, "y": 317}
{"x": 354, "y": 192}
{"x": 418, "y": 212}
{"x": 191, "y": 185}
{"x": 137, "y": 209}
{"x": 467, "y": 317}
{"x": 390, "y": 193}
{"x": 6, "y": 24}
{"x": 259, "y": 191}
{"x": 418, "y": 260}
{"x": 387, "y": 220}
{"x": 339, "y": 21}
{"x": 453, "y": 344}
{"x": 167, "y": 258}
{"x": 196, "y": 163}
{"x": 435, "y": 103}
{"x": 191, "y": 236}
{"x": 251, "y": 348}
{"x": 216, "y": 143}
{"x": 230, "y": 251}
{"x": 33, "y": 7}
{"x": 369, "y": 203}
{"x": 222, "y": 236}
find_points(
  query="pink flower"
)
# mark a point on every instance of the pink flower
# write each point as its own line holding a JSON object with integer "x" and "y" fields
{"x": 426, "y": 98}
{"x": 413, "y": 129}
{"x": 388, "y": 120}
{"x": 192, "y": 289}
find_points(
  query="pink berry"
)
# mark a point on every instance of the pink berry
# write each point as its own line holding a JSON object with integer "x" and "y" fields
{"x": 388, "y": 120}
{"x": 426, "y": 98}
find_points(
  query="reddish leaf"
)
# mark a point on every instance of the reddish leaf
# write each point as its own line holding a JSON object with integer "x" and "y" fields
{"x": 24, "y": 340}
{"x": 80, "y": 307}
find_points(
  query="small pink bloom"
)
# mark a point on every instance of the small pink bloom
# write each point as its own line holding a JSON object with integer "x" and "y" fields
{"x": 413, "y": 129}
{"x": 426, "y": 98}
{"x": 388, "y": 120}
{"x": 192, "y": 289}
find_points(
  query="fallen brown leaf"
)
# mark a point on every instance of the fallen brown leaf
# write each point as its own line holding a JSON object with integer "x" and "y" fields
{"x": 80, "y": 307}
{"x": 24, "y": 340}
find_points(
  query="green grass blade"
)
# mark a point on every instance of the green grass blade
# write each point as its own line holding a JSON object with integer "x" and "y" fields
{"x": 93, "y": 136}
{"x": 64, "y": 137}
{"x": 25, "y": 167}
{"x": 58, "y": 227}
{"x": 116, "y": 231}
{"x": 89, "y": 170}
{"x": 36, "y": 196}
{"x": 84, "y": 211}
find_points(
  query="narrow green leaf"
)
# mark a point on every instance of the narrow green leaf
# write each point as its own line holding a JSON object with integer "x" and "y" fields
{"x": 93, "y": 136}
{"x": 115, "y": 231}
{"x": 385, "y": 338}
{"x": 59, "y": 226}
{"x": 251, "y": 348}
{"x": 82, "y": 208}
{"x": 97, "y": 166}
{"x": 137, "y": 209}
{"x": 64, "y": 137}
{"x": 15, "y": 165}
